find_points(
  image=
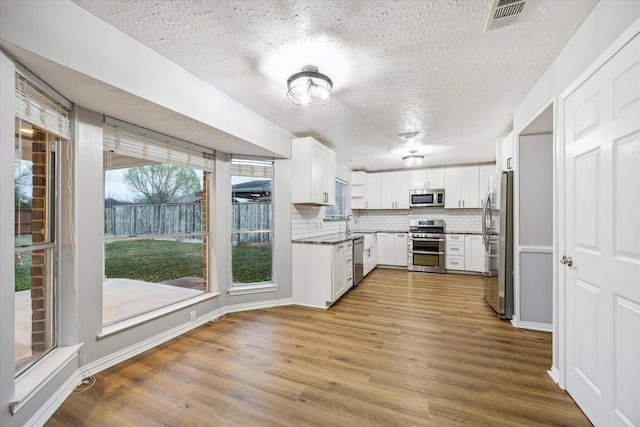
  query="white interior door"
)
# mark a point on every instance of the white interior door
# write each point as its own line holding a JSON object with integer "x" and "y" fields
{"x": 602, "y": 236}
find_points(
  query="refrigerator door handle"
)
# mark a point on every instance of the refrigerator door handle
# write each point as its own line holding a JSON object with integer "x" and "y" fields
{"x": 486, "y": 232}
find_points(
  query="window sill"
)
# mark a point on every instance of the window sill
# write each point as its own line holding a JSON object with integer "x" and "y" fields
{"x": 32, "y": 381}
{"x": 252, "y": 289}
{"x": 155, "y": 314}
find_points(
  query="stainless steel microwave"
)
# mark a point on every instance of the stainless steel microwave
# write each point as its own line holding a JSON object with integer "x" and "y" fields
{"x": 426, "y": 198}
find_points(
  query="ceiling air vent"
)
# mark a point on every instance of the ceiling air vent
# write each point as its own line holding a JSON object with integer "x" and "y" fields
{"x": 503, "y": 13}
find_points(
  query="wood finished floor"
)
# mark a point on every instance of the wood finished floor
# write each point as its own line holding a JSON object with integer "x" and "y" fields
{"x": 403, "y": 349}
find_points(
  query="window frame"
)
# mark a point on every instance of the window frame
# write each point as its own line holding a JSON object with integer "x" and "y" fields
{"x": 155, "y": 148}
{"x": 330, "y": 211}
{"x": 257, "y": 167}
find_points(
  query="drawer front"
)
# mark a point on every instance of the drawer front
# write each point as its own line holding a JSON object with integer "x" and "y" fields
{"x": 453, "y": 262}
{"x": 454, "y": 237}
{"x": 454, "y": 248}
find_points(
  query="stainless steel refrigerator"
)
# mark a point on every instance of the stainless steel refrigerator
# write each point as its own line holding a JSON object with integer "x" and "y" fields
{"x": 497, "y": 234}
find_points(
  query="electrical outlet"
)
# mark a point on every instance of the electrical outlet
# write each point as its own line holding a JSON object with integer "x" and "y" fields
{"x": 192, "y": 316}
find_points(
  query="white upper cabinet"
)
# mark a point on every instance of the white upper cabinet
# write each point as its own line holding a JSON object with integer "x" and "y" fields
{"x": 507, "y": 160}
{"x": 435, "y": 178}
{"x": 313, "y": 171}
{"x": 394, "y": 190}
{"x": 426, "y": 178}
{"x": 418, "y": 179}
{"x": 372, "y": 193}
{"x": 358, "y": 190}
{"x": 461, "y": 187}
{"x": 484, "y": 173}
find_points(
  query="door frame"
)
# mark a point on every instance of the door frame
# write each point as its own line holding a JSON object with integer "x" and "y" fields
{"x": 560, "y": 341}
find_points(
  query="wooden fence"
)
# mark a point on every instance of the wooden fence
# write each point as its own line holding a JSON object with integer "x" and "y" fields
{"x": 142, "y": 220}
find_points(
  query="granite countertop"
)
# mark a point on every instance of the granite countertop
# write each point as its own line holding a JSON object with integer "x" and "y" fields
{"x": 462, "y": 232}
{"x": 329, "y": 239}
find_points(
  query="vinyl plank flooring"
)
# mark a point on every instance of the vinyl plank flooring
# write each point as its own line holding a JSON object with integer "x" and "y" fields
{"x": 403, "y": 349}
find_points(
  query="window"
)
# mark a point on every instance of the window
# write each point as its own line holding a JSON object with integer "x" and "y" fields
{"x": 341, "y": 209}
{"x": 155, "y": 222}
{"x": 40, "y": 127}
{"x": 252, "y": 221}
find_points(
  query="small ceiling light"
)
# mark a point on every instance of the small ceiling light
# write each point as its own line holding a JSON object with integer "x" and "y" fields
{"x": 413, "y": 159}
{"x": 309, "y": 87}
{"x": 409, "y": 135}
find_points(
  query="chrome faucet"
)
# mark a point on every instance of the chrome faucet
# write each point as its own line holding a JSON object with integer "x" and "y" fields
{"x": 348, "y": 231}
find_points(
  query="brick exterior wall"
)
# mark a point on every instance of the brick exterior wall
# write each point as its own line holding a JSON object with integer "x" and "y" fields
{"x": 39, "y": 229}
{"x": 205, "y": 227}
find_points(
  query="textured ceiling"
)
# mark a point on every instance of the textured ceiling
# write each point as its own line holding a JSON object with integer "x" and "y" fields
{"x": 397, "y": 66}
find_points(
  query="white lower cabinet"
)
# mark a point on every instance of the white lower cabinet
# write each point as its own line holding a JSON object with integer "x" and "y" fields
{"x": 454, "y": 252}
{"x": 392, "y": 249}
{"x": 370, "y": 252}
{"x": 464, "y": 252}
{"x": 474, "y": 253}
{"x": 321, "y": 274}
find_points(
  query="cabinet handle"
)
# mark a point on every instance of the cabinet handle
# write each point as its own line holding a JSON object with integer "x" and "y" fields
{"x": 375, "y": 237}
{"x": 366, "y": 205}
{"x": 458, "y": 203}
{"x": 463, "y": 203}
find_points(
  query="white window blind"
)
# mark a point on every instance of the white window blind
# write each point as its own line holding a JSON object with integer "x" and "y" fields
{"x": 36, "y": 108}
{"x": 341, "y": 208}
{"x": 126, "y": 143}
{"x": 252, "y": 167}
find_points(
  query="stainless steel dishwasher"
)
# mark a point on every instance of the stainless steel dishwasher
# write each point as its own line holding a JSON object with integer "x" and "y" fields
{"x": 358, "y": 246}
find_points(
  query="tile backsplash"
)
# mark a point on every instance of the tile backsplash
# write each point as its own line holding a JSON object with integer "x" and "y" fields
{"x": 308, "y": 221}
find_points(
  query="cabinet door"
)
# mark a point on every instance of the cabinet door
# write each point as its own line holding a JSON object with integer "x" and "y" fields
{"x": 402, "y": 190}
{"x": 329, "y": 177}
{"x": 418, "y": 179}
{"x": 470, "y": 197}
{"x": 400, "y": 249}
{"x": 484, "y": 173}
{"x": 474, "y": 253}
{"x": 387, "y": 190}
{"x": 507, "y": 153}
{"x": 435, "y": 178}
{"x": 373, "y": 191}
{"x": 338, "y": 283}
{"x": 317, "y": 174}
{"x": 452, "y": 188}
{"x": 385, "y": 248}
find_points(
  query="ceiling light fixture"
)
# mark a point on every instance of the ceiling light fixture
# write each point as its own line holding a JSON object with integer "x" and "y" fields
{"x": 309, "y": 87}
{"x": 413, "y": 159}
{"x": 409, "y": 135}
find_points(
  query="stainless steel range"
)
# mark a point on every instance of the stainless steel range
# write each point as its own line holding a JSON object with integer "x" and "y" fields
{"x": 426, "y": 245}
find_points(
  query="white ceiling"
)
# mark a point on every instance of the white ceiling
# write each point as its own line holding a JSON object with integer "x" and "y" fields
{"x": 397, "y": 66}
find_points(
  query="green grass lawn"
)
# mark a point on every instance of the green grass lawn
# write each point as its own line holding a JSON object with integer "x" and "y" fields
{"x": 153, "y": 260}
{"x": 159, "y": 260}
{"x": 252, "y": 263}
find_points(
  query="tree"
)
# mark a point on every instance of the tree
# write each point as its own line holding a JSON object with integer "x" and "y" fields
{"x": 22, "y": 176}
{"x": 161, "y": 183}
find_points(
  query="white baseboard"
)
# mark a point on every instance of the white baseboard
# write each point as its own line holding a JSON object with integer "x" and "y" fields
{"x": 47, "y": 410}
{"x": 134, "y": 350}
{"x": 554, "y": 373}
{"x": 544, "y": 327}
{"x": 257, "y": 305}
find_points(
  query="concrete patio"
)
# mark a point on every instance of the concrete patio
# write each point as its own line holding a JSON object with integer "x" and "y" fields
{"x": 122, "y": 298}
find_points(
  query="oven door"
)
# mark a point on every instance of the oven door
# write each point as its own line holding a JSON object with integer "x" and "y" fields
{"x": 426, "y": 255}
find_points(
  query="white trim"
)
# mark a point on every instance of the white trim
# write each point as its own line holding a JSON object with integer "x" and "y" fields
{"x": 134, "y": 350}
{"x": 152, "y": 315}
{"x": 535, "y": 326}
{"x": 535, "y": 249}
{"x": 142, "y": 346}
{"x": 32, "y": 381}
{"x": 252, "y": 289}
{"x": 554, "y": 374}
{"x": 257, "y": 305}
{"x": 47, "y": 410}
